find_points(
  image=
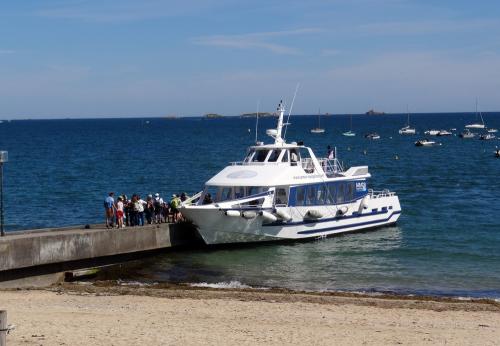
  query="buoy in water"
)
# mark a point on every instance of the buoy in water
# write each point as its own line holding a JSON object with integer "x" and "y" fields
{"x": 364, "y": 152}
{"x": 396, "y": 157}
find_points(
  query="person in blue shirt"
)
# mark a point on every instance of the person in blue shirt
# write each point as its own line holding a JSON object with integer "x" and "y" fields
{"x": 109, "y": 207}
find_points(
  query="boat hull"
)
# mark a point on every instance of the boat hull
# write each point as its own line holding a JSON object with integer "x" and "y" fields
{"x": 217, "y": 227}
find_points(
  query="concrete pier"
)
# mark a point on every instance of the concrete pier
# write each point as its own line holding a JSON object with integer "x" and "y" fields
{"x": 43, "y": 252}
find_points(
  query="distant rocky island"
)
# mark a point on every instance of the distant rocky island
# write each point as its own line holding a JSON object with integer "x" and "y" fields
{"x": 374, "y": 112}
{"x": 213, "y": 116}
{"x": 261, "y": 115}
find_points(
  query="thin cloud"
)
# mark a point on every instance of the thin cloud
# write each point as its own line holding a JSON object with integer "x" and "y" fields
{"x": 259, "y": 40}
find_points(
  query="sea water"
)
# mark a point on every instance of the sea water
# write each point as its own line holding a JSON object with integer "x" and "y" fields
{"x": 447, "y": 240}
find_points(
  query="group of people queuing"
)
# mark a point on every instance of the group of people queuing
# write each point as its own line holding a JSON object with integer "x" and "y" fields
{"x": 137, "y": 212}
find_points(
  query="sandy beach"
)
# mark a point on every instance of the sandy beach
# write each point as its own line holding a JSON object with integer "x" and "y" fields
{"x": 93, "y": 315}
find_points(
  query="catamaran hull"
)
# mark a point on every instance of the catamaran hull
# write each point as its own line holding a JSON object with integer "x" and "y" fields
{"x": 218, "y": 226}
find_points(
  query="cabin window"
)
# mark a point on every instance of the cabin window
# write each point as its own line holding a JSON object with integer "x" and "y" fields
{"x": 226, "y": 194}
{"x": 294, "y": 157}
{"x": 330, "y": 194}
{"x": 320, "y": 196}
{"x": 284, "y": 157}
{"x": 260, "y": 156}
{"x": 253, "y": 190}
{"x": 311, "y": 195}
{"x": 281, "y": 196}
{"x": 239, "y": 192}
{"x": 209, "y": 195}
{"x": 340, "y": 194}
{"x": 275, "y": 154}
{"x": 249, "y": 156}
{"x": 300, "y": 195}
{"x": 350, "y": 192}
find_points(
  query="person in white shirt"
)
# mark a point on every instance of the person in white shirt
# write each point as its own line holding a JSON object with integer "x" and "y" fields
{"x": 119, "y": 213}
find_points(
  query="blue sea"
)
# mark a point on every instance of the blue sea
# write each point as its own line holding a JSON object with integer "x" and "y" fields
{"x": 447, "y": 241}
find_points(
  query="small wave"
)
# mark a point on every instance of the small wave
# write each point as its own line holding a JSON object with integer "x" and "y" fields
{"x": 133, "y": 283}
{"x": 230, "y": 284}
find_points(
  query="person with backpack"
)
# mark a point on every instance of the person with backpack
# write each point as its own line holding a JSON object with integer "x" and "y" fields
{"x": 158, "y": 208}
{"x": 175, "y": 203}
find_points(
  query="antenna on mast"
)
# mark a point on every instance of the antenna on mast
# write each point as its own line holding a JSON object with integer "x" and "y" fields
{"x": 291, "y": 107}
{"x": 257, "y": 122}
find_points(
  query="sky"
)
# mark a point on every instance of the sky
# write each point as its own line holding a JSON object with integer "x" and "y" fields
{"x": 107, "y": 58}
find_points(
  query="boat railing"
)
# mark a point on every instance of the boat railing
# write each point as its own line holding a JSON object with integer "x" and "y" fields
{"x": 379, "y": 194}
{"x": 331, "y": 167}
{"x": 193, "y": 199}
{"x": 244, "y": 163}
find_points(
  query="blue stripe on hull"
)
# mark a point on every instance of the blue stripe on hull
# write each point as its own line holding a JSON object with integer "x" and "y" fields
{"x": 349, "y": 226}
{"x": 339, "y": 218}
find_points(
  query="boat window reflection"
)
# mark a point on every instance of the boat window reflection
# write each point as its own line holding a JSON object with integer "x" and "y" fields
{"x": 311, "y": 194}
{"x": 300, "y": 195}
{"x": 275, "y": 154}
{"x": 260, "y": 156}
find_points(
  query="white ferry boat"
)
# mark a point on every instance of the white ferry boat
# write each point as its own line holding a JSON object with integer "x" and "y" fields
{"x": 283, "y": 191}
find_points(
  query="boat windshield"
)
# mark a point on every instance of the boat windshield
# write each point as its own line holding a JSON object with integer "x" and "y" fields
{"x": 217, "y": 194}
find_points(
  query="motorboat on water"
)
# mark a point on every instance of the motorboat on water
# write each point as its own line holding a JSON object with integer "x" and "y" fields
{"x": 407, "y": 130}
{"x": 467, "y": 134}
{"x": 318, "y": 129}
{"x": 497, "y": 153}
{"x": 282, "y": 191}
{"x": 426, "y": 143}
{"x": 432, "y": 132}
{"x": 487, "y": 136}
{"x": 444, "y": 133}
{"x": 372, "y": 136}
{"x": 477, "y": 125}
{"x": 491, "y": 130}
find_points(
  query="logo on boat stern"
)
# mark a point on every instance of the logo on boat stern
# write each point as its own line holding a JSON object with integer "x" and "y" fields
{"x": 360, "y": 186}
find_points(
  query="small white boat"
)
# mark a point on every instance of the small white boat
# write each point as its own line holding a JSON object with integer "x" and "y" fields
{"x": 372, "y": 136}
{"x": 467, "y": 134}
{"x": 407, "y": 130}
{"x": 349, "y": 133}
{"x": 497, "y": 153}
{"x": 492, "y": 130}
{"x": 487, "y": 136}
{"x": 426, "y": 143}
{"x": 318, "y": 129}
{"x": 444, "y": 133}
{"x": 432, "y": 132}
{"x": 477, "y": 125}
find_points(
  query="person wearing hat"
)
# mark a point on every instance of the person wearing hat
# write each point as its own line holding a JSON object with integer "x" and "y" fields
{"x": 158, "y": 206}
{"x": 175, "y": 203}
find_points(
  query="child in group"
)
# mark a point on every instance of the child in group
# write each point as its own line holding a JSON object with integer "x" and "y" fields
{"x": 119, "y": 212}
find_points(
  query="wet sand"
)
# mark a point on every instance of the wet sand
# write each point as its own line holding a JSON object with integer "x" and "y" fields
{"x": 103, "y": 314}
